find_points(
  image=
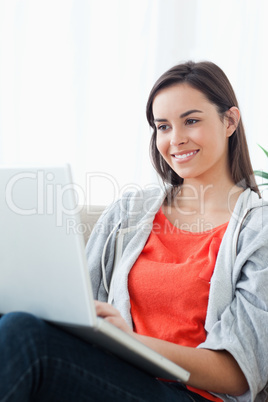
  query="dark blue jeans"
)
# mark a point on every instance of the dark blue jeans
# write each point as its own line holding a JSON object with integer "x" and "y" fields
{"x": 39, "y": 362}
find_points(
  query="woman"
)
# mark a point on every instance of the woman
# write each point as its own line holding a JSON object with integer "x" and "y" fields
{"x": 190, "y": 279}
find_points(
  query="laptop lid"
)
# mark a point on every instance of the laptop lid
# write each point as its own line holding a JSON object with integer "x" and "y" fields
{"x": 37, "y": 204}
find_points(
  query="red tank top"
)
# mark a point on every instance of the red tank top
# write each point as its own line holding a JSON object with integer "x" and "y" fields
{"x": 169, "y": 284}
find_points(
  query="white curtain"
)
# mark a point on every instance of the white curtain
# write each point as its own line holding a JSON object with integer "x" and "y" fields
{"x": 75, "y": 76}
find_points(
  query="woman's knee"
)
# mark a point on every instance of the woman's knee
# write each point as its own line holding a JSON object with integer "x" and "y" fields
{"x": 22, "y": 346}
{"x": 17, "y": 321}
{"x": 20, "y": 329}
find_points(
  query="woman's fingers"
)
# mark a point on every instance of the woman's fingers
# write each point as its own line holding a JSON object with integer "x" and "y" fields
{"x": 112, "y": 315}
{"x": 105, "y": 309}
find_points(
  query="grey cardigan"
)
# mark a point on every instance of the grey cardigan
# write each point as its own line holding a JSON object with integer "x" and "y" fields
{"x": 237, "y": 314}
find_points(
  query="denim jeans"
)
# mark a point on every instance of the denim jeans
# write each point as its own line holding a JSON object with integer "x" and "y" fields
{"x": 40, "y": 362}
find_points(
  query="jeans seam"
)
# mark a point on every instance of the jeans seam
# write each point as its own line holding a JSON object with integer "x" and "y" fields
{"x": 98, "y": 380}
{"x": 19, "y": 381}
{"x": 190, "y": 396}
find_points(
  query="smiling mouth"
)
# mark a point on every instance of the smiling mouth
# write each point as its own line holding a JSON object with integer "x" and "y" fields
{"x": 186, "y": 155}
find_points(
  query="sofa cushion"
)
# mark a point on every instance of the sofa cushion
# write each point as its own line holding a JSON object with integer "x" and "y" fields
{"x": 89, "y": 215}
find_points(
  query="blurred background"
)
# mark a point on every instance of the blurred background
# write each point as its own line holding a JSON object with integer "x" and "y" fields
{"x": 75, "y": 76}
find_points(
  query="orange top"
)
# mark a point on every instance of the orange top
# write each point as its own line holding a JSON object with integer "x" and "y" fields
{"x": 169, "y": 284}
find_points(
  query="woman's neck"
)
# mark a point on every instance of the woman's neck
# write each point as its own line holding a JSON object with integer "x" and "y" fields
{"x": 194, "y": 195}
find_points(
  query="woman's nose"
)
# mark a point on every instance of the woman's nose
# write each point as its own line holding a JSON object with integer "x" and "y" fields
{"x": 177, "y": 138}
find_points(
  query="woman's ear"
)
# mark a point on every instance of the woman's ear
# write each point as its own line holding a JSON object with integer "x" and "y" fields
{"x": 233, "y": 118}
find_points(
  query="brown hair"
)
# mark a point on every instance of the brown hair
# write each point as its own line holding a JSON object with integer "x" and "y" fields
{"x": 209, "y": 79}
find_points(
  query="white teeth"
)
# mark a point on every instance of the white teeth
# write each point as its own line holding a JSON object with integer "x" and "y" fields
{"x": 185, "y": 155}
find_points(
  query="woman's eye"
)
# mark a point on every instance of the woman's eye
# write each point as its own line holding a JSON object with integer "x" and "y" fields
{"x": 191, "y": 121}
{"x": 163, "y": 127}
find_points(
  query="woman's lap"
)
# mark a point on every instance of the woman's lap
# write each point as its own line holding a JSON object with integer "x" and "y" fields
{"x": 39, "y": 362}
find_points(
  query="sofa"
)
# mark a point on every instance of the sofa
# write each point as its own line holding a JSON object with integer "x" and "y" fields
{"x": 89, "y": 214}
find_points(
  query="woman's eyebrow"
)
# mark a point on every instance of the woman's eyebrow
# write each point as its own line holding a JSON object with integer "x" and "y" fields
{"x": 158, "y": 120}
{"x": 190, "y": 112}
{"x": 181, "y": 116}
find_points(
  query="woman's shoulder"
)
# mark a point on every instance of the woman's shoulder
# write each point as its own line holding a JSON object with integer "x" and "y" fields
{"x": 253, "y": 227}
{"x": 148, "y": 195}
{"x": 136, "y": 204}
{"x": 248, "y": 204}
{"x": 256, "y": 212}
{"x": 256, "y": 221}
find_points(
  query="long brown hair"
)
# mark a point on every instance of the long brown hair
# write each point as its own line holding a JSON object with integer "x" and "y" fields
{"x": 209, "y": 79}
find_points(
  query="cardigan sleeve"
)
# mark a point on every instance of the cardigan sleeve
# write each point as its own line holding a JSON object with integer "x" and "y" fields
{"x": 242, "y": 328}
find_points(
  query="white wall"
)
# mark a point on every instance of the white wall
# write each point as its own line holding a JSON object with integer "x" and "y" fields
{"x": 75, "y": 76}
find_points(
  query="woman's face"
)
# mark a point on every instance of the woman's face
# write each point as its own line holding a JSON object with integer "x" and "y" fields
{"x": 191, "y": 136}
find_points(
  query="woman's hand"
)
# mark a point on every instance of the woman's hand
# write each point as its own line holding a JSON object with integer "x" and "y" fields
{"x": 215, "y": 371}
{"x": 110, "y": 314}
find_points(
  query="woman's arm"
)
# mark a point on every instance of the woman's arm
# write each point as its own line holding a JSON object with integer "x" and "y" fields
{"x": 214, "y": 371}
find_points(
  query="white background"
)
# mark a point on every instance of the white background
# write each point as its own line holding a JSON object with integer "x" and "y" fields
{"x": 75, "y": 76}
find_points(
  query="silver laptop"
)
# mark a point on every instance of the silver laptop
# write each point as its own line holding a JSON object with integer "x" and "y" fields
{"x": 43, "y": 268}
